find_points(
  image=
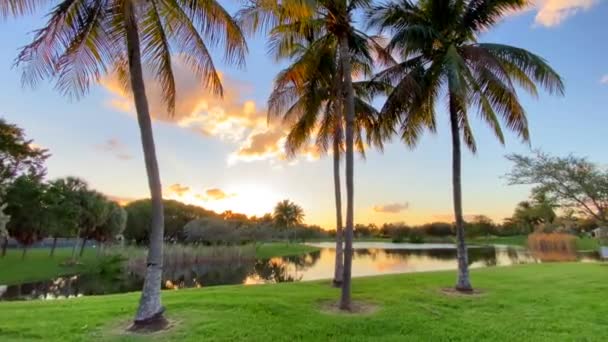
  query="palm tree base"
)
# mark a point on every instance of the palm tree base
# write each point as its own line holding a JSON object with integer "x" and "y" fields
{"x": 336, "y": 283}
{"x": 464, "y": 289}
{"x": 156, "y": 322}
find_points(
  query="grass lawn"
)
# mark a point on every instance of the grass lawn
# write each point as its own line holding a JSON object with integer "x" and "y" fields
{"x": 582, "y": 244}
{"x": 541, "y": 302}
{"x": 279, "y": 249}
{"x": 37, "y": 264}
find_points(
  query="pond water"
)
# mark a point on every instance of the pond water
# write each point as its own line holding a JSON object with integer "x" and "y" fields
{"x": 368, "y": 259}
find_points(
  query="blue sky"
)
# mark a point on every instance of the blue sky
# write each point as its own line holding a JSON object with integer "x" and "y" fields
{"x": 220, "y": 154}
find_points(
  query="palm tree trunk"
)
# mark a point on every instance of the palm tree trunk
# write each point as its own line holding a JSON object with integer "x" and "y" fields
{"x": 75, "y": 244}
{"x": 150, "y": 311}
{"x": 84, "y": 243}
{"x": 24, "y": 252}
{"x": 463, "y": 283}
{"x": 53, "y": 246}
{"x": 339, "y": 268}
{"x": 345, "y": 300}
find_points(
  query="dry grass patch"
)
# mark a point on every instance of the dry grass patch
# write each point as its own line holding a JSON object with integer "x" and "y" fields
{"x": 358, "y": 308}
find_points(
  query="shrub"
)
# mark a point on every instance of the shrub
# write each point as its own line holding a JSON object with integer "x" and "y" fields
{"x": 552, "y": 246}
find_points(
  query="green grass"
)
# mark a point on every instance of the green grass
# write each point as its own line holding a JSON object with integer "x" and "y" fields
{"x": 582, "y": 243}
{"x": 37, "y": 265}
{"x": 542, "y": 302}
{"x": 279, "y": 249}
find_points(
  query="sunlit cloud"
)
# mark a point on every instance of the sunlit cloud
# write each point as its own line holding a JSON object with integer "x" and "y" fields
{"x": 178, "y": 189}
{"x": 391, "y": 208}
{"x": 217, "y": 194}
{"x": 232, "y": 119}
{"x": 604, "y": 79}
{"x": 117, "y": 148}
{"x": 550, "y": 13}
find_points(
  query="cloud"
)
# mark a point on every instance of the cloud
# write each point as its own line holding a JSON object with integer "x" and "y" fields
{"x": 391, "y": 208}
{"x": 117, "y": 148}
{"x": 604, "y": 79}
{"x": 217, "y": 194}
{"x": 178, "y": 189}
{"x": 231, "y": 119}
{"x": 550, "y": 13}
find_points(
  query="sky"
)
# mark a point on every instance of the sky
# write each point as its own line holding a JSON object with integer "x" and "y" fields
{"x": 223, "y": 155}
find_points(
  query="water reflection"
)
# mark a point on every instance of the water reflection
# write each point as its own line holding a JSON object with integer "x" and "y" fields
{"x": 368, "y": 259}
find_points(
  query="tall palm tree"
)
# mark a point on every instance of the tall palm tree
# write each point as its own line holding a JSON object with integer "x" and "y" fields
{"x": 307, "y": 96}
{"x": 437, "y": 43}
{"x": 330, "y": 20}
{"x": 85, "y": 39}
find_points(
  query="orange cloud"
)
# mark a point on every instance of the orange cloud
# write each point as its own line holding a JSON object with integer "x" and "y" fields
{"x": 217, "y": 194}
{"x": 178, "y": 189}
{"x": 550, "y": 13}
{"x": 392, "y": 208}
{"x": 231, "y": 119}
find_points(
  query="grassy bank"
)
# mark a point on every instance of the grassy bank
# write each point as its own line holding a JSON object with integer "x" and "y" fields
{"x": 545, "y": 302}
{"x": 37, "y": 264}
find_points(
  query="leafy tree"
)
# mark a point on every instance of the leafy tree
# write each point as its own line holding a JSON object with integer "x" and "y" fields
{"x": 63, "y": 208}
{"x": 436, "y": 41}
{"x": 84, "y": 39}
{"x": 25, "y": 205}
{"x": 570, "y": 182}
{"x": 177, "y": 215}
{"x": 4, "y": 220}
{"x": 332, "y": 23}
{"x": 287, "y": 215}
{"x": 18, "y": 155}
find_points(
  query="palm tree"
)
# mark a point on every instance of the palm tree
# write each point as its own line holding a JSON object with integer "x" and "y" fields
{"x": 288, "y": 214}
{"x": 307, "y": 96}
{"x": 437, "y": 43}
{"x": 85, "y": 39}
{"x": 330, "y": 21}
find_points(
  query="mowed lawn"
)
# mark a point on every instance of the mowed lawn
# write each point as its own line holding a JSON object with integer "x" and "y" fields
{"x": 541, "y": 302}
{"x": 38, "y": 265}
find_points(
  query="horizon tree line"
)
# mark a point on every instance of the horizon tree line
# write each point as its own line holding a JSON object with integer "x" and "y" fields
{"x": 433, "y": 54}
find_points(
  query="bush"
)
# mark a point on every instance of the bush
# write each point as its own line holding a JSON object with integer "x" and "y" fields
{"x": 416, "y": 238}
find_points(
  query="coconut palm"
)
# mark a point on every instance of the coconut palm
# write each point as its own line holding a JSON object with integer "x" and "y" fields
{"x": 288, "y": 214}
{"x": 437, "y": 43}
{"x": 86, "y": 39}
{"x": 308, "y": 97}
{"x": 330, "y": 20}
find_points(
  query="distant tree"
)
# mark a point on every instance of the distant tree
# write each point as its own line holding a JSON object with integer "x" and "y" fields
{"x": 18, "y": 155}
{"x": 114, "y": 224}
{"x": 4, "y": 219}
{"x": 530, "y": 215}
{"x": 570, "y": 182}
{"x": 287, "y": 215}
{"x": 25, "y": 205}
{"x": 95, "y": 210}
{"x": 63, "y": 208}
{"x": 480, "y": 225}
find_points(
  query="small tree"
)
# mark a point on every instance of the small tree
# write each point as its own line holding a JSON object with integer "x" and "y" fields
{"x": 95, "y": 210}
{"x": 25, "y": 205}
{"x": 569, "y": 182}
{"x": 62, "y": 200}
{"x": 287, "y": 215}
{"x": 18, "y": 155}
{"x": 113, "y": 226}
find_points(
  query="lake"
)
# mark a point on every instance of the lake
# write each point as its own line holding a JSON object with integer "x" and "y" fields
{"x": 370, "y": 258}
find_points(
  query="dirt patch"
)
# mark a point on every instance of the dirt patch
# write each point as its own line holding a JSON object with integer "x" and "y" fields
{"x": 127, "y": 328}
{"x": 452, "y": 292}
{"x": 357, "y": 308}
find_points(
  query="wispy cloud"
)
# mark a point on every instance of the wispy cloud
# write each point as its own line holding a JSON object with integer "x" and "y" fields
{"x": 217, "y": 194}
{"x": 232, "y": 119}
{"x": 391, "y": 208}
{"x": 550, "y": 13}
{"x": 184, "y": 192}
{"x": 117, "y": 148}
{"x": 604, "y": 79}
